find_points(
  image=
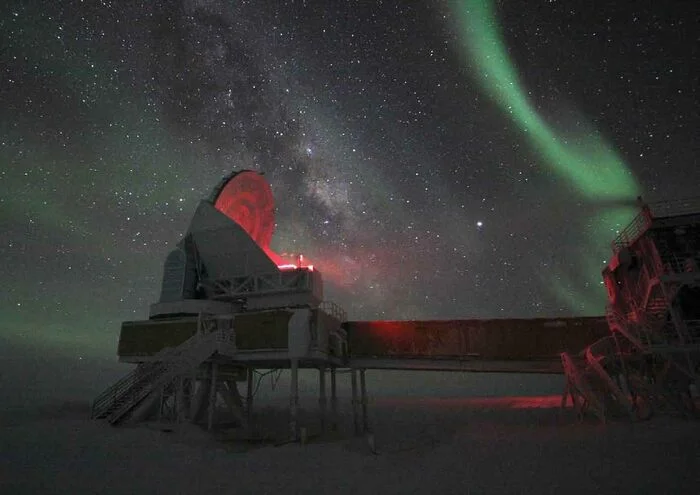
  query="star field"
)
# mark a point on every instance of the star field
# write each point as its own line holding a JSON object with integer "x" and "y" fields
{"x": 433, "y": 160}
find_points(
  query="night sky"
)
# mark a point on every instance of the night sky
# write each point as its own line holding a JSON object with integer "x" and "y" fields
{"x": 436, "y": 160}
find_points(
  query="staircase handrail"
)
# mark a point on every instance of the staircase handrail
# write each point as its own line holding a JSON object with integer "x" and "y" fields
{"x": 106, "y": 399}
{"x": 642, "y": 283}
{"x": 649, "y": 275}
{"x": 601, "y": 348}
{"x": 168, "y": 368}
{"x": 578, "y": 384}
{"x": 166, "y": 360}
{"x": 595, "y": 360}
{"x": 615, "y": 319}
{"x": 142, "y": 370}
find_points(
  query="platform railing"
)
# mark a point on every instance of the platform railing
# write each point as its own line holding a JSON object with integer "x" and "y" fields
{"x": 616, "y": 320}
{"x": 693, "y": 328}
{"x": 333, "y": 309}
{"x": 673, "y": 263}
{"x": 633, "y": 231}
{"x": 281, "y": 281}
{"x": 643, "y": 220}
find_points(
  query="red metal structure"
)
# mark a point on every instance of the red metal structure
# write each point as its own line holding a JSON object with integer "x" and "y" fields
{"x": 651, "y": 359}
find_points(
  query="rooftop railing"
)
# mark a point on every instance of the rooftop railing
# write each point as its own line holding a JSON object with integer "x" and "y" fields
{"x": 660, "y": 209}
{"x": 334, "y": 310}
{"x": 675, "y": 207}
{"x": 633, "y": 231}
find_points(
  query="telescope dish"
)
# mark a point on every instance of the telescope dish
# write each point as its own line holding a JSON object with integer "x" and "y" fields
{"x": 246, "y": 198}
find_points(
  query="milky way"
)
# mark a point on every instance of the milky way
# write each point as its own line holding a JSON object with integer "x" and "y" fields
{"x": 462, "y": 159}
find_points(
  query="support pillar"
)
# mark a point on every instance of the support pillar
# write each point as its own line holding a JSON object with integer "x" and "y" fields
{"x": 355, "y": 418}
{"x": 322, "y": 396}
{"x": 294, "y": 401}
{"x": 363, "y": 393}
{"x": 212, "y": 395}
{"x": 161, "y": 403}
{"x": 183, "y": 399}
{"x": 249, "y": 395}
{"x": 334, "y": 401}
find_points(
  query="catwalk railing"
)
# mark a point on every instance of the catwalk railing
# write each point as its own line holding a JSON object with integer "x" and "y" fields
{"x": 334, "y": 310}
{"x": 643, "y": 220}
{"x": 633, "y": 231}
{"x": 676, "y": 207}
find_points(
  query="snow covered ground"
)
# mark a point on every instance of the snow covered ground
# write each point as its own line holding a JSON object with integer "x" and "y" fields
{"x": 429, "y": 444}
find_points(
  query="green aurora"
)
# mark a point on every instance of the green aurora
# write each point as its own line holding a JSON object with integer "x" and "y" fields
{"x": 590, "y": 166}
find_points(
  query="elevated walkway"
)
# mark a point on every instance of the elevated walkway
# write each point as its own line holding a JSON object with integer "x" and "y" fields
{"x": 474, "y": 365}
{"x": 181, "y": 360}
{"x": 496, "y": 345}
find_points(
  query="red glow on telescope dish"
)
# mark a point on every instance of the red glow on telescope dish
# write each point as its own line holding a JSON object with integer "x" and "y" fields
{"x": 247, "y": 200}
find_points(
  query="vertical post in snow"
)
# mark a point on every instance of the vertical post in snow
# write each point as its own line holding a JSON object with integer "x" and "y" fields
{"x": 212, "y": 395}
{"x": 294, "y": 400}
{"x": 161, "y": 403}
{"x": 334, "y": 401}
{"x": 355, "y": 418}
{"x": 250, "y": 372}
{"x": 322, "y": 396}
{"x": 363, "y": 392}
{"x": 180, "y": 399}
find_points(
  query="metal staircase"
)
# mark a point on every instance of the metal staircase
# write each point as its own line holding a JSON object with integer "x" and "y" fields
{"x": 115, "y": 403}
{"x": 652, "y": 357}
{"x": 589, "y": 382}
{"x": 582, "y": 387}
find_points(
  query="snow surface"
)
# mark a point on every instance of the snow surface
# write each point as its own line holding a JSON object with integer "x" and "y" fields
{"x": 424, "y": 445}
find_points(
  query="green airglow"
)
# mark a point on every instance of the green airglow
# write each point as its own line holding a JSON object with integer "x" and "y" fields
{"x": 74, "y": 195}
